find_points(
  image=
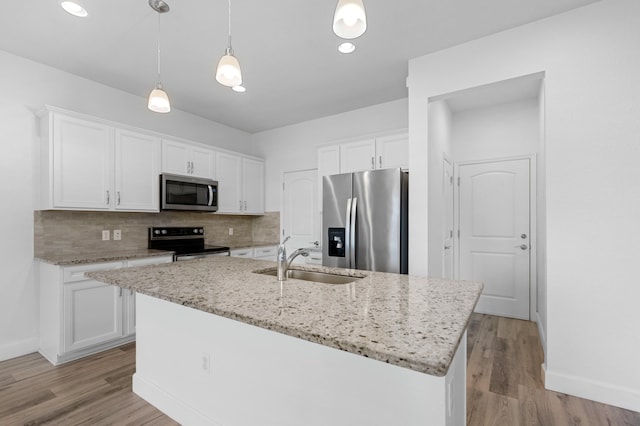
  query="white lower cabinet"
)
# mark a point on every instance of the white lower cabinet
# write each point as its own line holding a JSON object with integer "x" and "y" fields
{"x": 246, "y": 252}
{"x": 80, "y": 316}
{"x": 265, "y": 252}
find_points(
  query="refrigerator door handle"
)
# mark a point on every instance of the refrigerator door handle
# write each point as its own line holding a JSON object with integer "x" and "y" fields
{"x": 352, "y": 237}
{"x": 347, "y": 234}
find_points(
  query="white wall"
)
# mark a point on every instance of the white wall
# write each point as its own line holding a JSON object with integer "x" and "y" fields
{"x": 293, "y": 147}
{"x": 591, "y": 65}
{"x": 26, "y": 87}
{"x": 440, "y": 139}
{"x": 497, "y": 131}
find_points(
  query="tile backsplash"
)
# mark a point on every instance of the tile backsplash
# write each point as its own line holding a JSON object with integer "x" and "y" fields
{"x": 59, "y": 232}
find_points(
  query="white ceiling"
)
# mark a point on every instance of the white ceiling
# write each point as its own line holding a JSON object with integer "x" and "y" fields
{"x": 286, "y": 48}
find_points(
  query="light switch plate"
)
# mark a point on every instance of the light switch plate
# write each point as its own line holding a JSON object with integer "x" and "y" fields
{"x": 105, "y": 235}
{"x": 117, "y": 234}
{"x": 230, "y": 231}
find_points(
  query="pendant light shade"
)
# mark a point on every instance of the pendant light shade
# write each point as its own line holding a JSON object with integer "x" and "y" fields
{"x": 350, "y": 20}
{"x": 228, "y": 71}
{"x": 159, "y": 101}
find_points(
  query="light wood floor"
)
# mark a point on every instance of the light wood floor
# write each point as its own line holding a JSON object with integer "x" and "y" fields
{"x": 503, "y": 379}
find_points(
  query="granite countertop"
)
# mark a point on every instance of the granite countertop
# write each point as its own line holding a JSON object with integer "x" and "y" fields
{"x": 409, "y": 321}
{"x": 67, "y": 259}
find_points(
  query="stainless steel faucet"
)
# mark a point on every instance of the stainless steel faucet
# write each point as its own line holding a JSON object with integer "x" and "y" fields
{"x": 284, "y": 262}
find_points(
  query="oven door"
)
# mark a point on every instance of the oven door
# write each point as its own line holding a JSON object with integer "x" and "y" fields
{"x": 188, "y": 193}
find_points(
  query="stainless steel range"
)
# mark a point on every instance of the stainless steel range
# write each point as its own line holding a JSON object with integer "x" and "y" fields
{"x": 187, "y": 242}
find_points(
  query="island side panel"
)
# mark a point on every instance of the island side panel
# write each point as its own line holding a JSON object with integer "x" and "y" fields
{"x": 200, "y": 368}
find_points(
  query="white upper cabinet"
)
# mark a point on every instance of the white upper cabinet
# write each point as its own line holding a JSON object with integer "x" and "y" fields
{"x": 90, "y": 165}
{"x": 380, "y": 152}
{"x": 392, "y": 151}
{"x": 137, "y": 164}
{"x": 253, "y": 185}
{"x": 81, "y": 167}
{"x": 187, "y": 159}
{"x": 358, "y": 156}
{"x": 240, "y": 184}
{"x": 229, "y": 168}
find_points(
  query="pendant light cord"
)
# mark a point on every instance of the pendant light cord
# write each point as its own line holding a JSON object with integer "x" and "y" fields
{"x": 230, "y": 26}
{"x": 158, "y": 47}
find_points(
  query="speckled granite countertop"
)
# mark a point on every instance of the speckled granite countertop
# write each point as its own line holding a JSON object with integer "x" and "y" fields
{"x": 410, "y": 321}
{"x": 67, "y": 259}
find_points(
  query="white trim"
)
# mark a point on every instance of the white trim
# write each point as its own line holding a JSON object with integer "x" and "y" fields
{"x": 169, "y": 404}
{"x": 19, "y": 348}
{"x": 593, "y": 390}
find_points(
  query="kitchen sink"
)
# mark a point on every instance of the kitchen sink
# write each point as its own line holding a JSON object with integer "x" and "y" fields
{"x": 319, "y": 277}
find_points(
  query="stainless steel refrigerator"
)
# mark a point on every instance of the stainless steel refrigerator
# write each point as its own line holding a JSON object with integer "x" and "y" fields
{"x": 365, "y": 220}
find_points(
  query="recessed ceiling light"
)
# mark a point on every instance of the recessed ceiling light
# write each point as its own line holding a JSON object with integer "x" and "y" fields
{"x": 74, "y": 8}
{"x": 346, "y": 47}
{"x": 239, "y": 89}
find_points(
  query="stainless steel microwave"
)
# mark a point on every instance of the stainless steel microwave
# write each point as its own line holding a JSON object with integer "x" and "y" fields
{"x": 188, "y": 193}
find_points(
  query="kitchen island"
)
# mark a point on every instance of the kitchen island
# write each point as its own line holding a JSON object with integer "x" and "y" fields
{"x": 220, "y": 344}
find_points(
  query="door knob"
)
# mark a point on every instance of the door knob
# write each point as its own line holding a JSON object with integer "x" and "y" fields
{"x": 523, "y": 246}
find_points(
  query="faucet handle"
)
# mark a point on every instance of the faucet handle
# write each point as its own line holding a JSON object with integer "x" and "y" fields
{"x": 286, "y": 239}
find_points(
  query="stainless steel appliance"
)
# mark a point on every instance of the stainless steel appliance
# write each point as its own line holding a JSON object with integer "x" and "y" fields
{"x": 186, "y": 242}
{"x": 365, "y": 220}
{"x": 188, "y": 193}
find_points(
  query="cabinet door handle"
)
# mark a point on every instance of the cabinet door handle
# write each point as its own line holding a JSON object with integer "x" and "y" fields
{"x": 245, "y": 205}
{"x": 192, "y": 167}
{"x": 118, "y": 197}
{"x": 240, "y": 204}
{"x": 380, "y": 162}
{"x": 108, "y": 197}
{"x": 373, "y": 163}
{"x": 120, "y": 288}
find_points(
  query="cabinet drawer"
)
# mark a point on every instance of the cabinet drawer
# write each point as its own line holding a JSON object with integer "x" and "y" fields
{"x": 243, "y": 252}
{"x": 76, "y": 273}
{"x": 266, "y": 252}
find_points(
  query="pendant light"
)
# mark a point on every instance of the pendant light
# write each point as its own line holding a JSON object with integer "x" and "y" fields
{"x": 350, "y": 20}
{"x": 158, "y": 99}
{"x": 228, "y": 72}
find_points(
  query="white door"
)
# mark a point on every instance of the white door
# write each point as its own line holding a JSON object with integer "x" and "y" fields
{"x": 494, "y": 234}
{"x": 447, "y": 219}
{"x": 299, "y": 209}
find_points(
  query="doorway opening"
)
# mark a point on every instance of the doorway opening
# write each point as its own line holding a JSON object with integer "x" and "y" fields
{"x": 486, "y": 168}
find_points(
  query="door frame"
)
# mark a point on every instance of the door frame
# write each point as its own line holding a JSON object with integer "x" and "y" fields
{"x": 533, "y": 229}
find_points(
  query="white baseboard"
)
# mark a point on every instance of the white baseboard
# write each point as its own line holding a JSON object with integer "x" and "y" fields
{"x": 178, "y": 410}
{"x": 19, "y": 348}
{"x": 590, "y": 389}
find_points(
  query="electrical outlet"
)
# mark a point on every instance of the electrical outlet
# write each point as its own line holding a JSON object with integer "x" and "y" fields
{"x": 206, "y": 363}
{"x": 117, "y": 234}
{"x": 105, "y": 235}
{"x": 230, "y": 231}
